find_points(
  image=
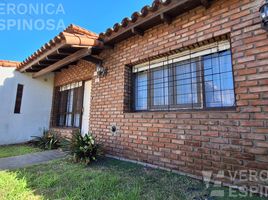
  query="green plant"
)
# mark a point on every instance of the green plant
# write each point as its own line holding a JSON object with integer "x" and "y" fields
{"x": 48, "y": 141}
{"x": 83, "y": 148}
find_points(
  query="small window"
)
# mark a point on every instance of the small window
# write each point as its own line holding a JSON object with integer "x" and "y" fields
{"x": 196, "y": 79}
{"x": 18, "y": 99}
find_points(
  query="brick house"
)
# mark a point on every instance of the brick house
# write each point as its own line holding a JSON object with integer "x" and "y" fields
{"x": 181, "y": 85}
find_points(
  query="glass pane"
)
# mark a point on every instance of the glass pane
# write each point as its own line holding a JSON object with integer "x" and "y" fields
{"x": 79, "y": 99}
{"x": 141, "y": 90}
{"x": 218, "y": 78}
{"x": 228, "y": 98}
{"x": 213, "y": 99}
{"x": 160, "y": 87}
{"x": 68, "y": 121}
{"x": 61, "y": 120}
{"x": 76, "y": 120}
{"x": 186, "y": 82}
{"x": 63, "y": 102}
{"x": 70, "y": 100}
{"x": 225, "y": 61}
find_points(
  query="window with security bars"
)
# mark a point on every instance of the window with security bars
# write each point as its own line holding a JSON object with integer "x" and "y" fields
{"x": 195, "y": 79}
{"x": 69, "y": 105}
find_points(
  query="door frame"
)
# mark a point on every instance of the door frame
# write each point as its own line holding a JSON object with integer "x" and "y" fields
{"x": 89, "y": 106}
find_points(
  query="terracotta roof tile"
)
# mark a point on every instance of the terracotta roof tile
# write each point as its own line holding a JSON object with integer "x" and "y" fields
{"x": 79, "y": 30}
{"x": 72, "y": 35}
{"x": 9, "y": 63}
{"x": 146, "y": 10}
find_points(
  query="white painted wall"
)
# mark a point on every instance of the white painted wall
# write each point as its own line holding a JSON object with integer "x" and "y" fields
{"x": 35, "y": 107}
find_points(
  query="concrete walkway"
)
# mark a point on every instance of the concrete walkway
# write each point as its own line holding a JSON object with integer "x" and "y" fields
{"x": 30, "y": 159}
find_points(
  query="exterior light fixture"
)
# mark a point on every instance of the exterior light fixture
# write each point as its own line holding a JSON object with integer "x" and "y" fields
{"x": 264, "y": 15}
{"x": 101, "y": 71}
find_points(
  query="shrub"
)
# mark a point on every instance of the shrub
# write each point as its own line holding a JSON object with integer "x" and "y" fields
{"x": 48, "y": 141}
{"x": 83, "y": 148}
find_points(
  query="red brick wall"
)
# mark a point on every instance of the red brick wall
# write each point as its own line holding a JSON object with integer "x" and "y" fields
{"x": 64, "y": 132}
{"x": 190, "y": 141}
{"x": 82, "y": 71}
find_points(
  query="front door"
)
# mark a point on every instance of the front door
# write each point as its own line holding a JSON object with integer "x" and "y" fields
{"x": 86, "y": 107}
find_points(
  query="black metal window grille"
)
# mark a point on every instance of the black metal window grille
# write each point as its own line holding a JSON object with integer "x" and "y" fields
{"x": 200, "y": 82}
{"x": 69, "y": 105}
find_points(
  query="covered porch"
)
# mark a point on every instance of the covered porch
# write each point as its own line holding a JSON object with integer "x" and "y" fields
{"x": 73, "y": 57}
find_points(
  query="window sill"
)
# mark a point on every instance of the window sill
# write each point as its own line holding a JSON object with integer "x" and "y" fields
{"x": 66, "y": 128}
{"x": 226, "y": 109}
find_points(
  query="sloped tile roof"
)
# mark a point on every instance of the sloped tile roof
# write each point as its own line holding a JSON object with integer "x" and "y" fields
{"x": 9, "y": 63}
{"x": 146, "y": 10}
{"x": 72, "y": 35}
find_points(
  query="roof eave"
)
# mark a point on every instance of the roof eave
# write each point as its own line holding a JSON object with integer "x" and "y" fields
{"x": 72, "y": 38}
{"x": 149, "y": 17}
{"x": 69, "y": 41}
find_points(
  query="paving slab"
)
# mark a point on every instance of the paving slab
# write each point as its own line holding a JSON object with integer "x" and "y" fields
{"x": 30, "y": 159}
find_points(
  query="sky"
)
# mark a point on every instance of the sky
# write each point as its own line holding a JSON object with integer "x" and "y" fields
{"x": 26, "y": 25}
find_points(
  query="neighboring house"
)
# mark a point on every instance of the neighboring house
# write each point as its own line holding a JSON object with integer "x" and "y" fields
{"x": 182, "y": 85}
{"x": 25, "y": 104}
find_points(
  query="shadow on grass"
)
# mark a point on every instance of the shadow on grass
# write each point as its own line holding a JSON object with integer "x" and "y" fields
{"x": 109, "y": 179}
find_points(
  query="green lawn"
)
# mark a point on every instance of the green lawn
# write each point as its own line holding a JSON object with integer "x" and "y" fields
{"x": 16, "y": 150}
{"x": 106, "y": 179}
